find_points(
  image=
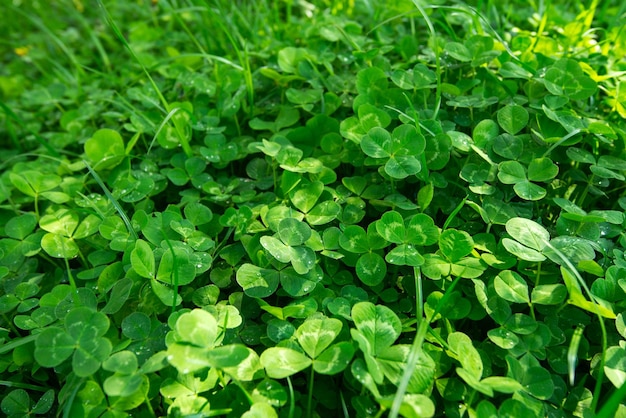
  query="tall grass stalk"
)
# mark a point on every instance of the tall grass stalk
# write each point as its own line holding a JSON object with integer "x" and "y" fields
{"x": 179, "y": 129}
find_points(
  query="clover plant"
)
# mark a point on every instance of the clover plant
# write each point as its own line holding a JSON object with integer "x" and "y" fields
{"x": 325, "y": 208}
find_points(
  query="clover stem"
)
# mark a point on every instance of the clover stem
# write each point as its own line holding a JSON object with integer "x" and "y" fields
{"x": 470, "y": 401}
{"x": 11, "y": 325}
{"x": 380, "y": 413}
{"x": 309, "y": 401}
{"x": 149, "y": 405}
{"x": 37, "y": 205}
{"x": 72, "y": 283}
{"x": 417, "y": 273}
{"x": 292, "y": 400}
{"x": 414, "y": 353}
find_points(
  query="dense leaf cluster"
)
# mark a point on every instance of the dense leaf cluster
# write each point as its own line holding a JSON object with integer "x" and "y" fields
{"x": 340, "y": 208}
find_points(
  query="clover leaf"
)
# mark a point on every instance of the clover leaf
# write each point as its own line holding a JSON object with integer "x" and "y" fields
{"x": 399, "y": 149}
{"x": 287, "y": 246}
{"x": 81, "y": 337}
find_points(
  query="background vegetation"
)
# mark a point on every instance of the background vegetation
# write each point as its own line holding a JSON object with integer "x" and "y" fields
{"x": 328, "y": 208}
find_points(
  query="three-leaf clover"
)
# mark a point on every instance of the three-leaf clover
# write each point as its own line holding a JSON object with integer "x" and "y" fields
{"x": 81, "y": 337}
{"x": 419, "y": 230}
{"x": 539, "y": 170}
{"x": 287, "y": 246}
{"x": 399, "y": 151}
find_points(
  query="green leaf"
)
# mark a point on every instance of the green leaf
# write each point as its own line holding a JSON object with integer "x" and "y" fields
{"x": 512, "y": 287}
{"x": 354, "y": 239}
{"x": 59, "y": 246}
{"x": 198, "y": 214}
{"x": 302, "y": 259}
{"x": 458, "y": 51}
{"x": 423, "y": 77}
{"x": 197, "y": 327}
{"x": 403, "y": 79}
{"x": 142, "y": 259}
{"x": 377, "y": 143}
{"x": 538, "y": 382}
{"x": 167, "y": 295}
{"x": 408, "y": 141}
{"x": 421, "y": 230}
{"x": 122, "y": 385}
{"x": 305, "y": 196}
{"x": 413, "y": 406}
{"x": 227, "y": 356}
{"x": 247, "y": 369}
{"x": 473, "y": 382}
{"x": 511, "y": 172}
{"x": 565, "y": 77}
{"x": 187, "y": 358}
{"x": 293, "y": 232}
{"x": 521, "y": 324}
{"x": 279, "y": 330}
{"x": 468, "y": 267}
{"x": 299, "y": 284}
{"x": 62, "y": 222}
{"x": 371, "y": 269}
{"x": 402, "y": 166}
{"x": 257, "y": 282}
{"x": 455, "y": 245}
{"x": 405, "y": 255}
{"x": 542, "y": 169}
{"x": 83, "y": 333}
{"x": 279, "y": 251}
{"x": 323, "y": 213}
{"x": 529, "y": 191}
{"x": 528, "y": 233}
{"x": 378, "y": 324}
{"x": 334, "y": 359}
{"x": 575, "y": 249}
{"x": 281, "y": 362}
{"x": 124, "y": 362}
{"x": 484, "y": 133}
{"x": 136, "y": 326}
{"x": 372, "y": 117}
{"x": 391, "y": 227}
{"x": 425, "y": 196}
{"x": 502, "y": 384}
{"x": 361, "y": 374}
{"x": 522, "y": 251}
{"x": 393, "y": 362}
{"x": 466, "y": 354}
{"x": 53, "y": 346}
{"x": 508, "y": 146}
{"x": 315, "y": 335}
{"x": 16, "y": 403}
{"x": 260, "y": 410}
{"x": 503, "y": 338}
{"x": 437, "y": 151}
{"x": 105, "y": 149}
{"x": 351, "y": 129}
{"x": 512, "y": 118}
{"x": 580, "y": 155}
{"x": 615, "y": 365}
{"x": 175, "y": 268}
{"x": 371, "y": 78}
{"x": 303, "y": 96}
{"x": 548, "y": 294}
{"x": 21, "y": 226}
{"x": 576, "y": 297}
{"x": 33, "y": 183}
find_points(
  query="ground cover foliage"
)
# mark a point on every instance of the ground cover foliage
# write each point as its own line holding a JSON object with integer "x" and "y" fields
{"x": 327, "y": 208}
